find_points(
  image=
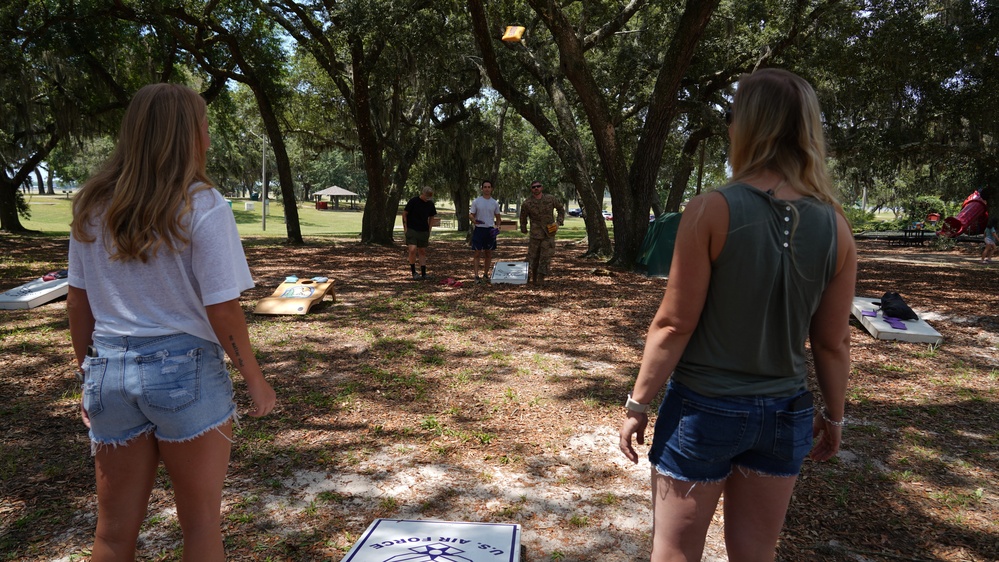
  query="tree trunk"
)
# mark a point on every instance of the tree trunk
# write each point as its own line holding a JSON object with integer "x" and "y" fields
{"x": 459, "y": 195}
{"x": 662, "y": 108}
{"x": 631, "y": 192}
{"x": 380, "y": 210}
{"x": 11, "y": 201}
{"x": 498, "y": 148}
{"x": 681, "y": 175}
{"x": 574, "y": 161}
{"x": 573, "y": 62}
{"x": 285, "y": 177}
{"x": 462, "y": 203}
{"x": 41, "y": 182}
{"x": 579, "y": 172}
{"x": 10, "y": 221}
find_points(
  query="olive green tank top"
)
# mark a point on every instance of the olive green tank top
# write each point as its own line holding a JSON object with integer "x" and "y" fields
{"x": 765, "y": 285}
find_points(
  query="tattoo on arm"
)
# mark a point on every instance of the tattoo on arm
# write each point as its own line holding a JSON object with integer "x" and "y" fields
{"x": 237, "y": 358}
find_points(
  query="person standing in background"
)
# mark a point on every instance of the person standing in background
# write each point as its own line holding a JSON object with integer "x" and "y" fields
{"x": 990, "y": 240}
{"x": 416, "y": 225}
{"x": 485, "y": 216}
{"x": 156, "y": 268}
{"x": 541, "y": 246}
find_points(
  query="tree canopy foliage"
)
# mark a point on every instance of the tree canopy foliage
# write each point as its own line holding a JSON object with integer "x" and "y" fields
{"x": 615, "y": 96}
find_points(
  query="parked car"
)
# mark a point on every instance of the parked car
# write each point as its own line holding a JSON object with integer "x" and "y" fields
{"x": 608, "y": 215}
{"x": 575, "y": 212}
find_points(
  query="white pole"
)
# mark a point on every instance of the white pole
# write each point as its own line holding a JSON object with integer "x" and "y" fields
{"x": 263, "y": 178}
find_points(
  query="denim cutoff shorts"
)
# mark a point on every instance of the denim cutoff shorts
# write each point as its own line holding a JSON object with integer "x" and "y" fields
{"x": 699, "y": 438}
{"x": 175, "y": 386}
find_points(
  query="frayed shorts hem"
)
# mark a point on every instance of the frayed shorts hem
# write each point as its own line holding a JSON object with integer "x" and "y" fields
{"x": 745, "y": 470}
{"x": 664, "y": 472}
{"x": 96, "y": 445}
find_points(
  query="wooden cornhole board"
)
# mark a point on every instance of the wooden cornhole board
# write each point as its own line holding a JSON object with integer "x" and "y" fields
{"x": 296, "y": 296}
{"x": 513, "y": 272}
{"x": 916, "y": 331}
{"x": 34, "y": 293}
{"x": 401, "y": 540}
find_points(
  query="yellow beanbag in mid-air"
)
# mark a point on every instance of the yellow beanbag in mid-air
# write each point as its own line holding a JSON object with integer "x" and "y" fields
{"x": 513, "y": 33}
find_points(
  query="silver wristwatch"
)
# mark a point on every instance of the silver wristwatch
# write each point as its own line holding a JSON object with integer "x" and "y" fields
{"x": 636, "y": 406}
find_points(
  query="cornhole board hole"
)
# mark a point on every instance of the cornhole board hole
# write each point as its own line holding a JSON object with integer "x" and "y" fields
{"x": 401, "y": 540}
{"x": 34, "y": 293}
{"x": 513, "y": 272}
{"x": 295, "y": 296}
{"x": 916, "y": 331}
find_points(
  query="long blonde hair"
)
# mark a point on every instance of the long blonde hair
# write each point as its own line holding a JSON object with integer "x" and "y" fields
{"x": 140, "y": 197}
{"x": 777, "y": 126}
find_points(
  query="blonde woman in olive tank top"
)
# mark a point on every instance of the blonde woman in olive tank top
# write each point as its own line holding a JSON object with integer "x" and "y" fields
{"x": 760, "y": 265}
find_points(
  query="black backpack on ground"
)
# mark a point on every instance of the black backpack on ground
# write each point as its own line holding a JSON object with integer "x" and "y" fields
{"x": 892, "y": 306}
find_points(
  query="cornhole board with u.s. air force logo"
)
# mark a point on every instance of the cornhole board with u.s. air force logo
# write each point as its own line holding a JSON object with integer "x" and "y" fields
{"x": 401, "y": 540}
{"x": 295, "y": 296}
{"x": 514, "y": 272}
{"x": 36, "y": 293}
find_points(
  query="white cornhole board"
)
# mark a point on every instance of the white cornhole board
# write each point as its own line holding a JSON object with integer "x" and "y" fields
{"x": 401, "y": 540}
{"x": 35, "y": 293}
{"x": 916, "y": 331}
{"x": 514, "y": 272}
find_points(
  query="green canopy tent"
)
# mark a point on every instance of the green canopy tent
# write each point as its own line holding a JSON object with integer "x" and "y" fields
{"x": 657, "y": 248}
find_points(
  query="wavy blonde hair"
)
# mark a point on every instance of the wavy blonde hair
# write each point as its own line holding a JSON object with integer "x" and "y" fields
{"x": 777, "y": 126}
{"x": 140, "y": 197}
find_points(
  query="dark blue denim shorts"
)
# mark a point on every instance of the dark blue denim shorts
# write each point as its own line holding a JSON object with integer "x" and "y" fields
{"x": 699, "y": 438}
{"x": 483, "y": 239}
{"x": 175, "y": 386}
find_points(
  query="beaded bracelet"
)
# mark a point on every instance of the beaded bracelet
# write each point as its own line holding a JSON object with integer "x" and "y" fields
{"x": 825, "y": 416}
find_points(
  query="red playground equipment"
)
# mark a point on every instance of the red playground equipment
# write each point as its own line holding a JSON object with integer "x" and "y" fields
{"x": 971, "y": 220}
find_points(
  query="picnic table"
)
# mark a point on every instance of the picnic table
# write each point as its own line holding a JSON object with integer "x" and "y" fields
{"x": 911, "y": 237}
{"x": 907, "y": 237}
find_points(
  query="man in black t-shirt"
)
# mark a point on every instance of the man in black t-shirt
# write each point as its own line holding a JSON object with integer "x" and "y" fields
{"x": 416, "y": 226}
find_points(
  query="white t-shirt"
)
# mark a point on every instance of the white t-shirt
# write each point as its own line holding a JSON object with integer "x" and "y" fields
{"x": 485, "y": 211}
{"x": 168, "y": 293}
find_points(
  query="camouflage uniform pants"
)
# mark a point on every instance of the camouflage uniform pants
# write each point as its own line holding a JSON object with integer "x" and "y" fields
{"x": 539, "y": 254}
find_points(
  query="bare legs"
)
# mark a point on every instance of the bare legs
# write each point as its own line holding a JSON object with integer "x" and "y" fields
{"x": 475, "y": 262}
{"x": 988, "y": 251}
{"x": 418, "y": 254}
{"x": 125, "y": 477}
{"x": 681, "y": 514}
{"x": 755, "y": 507}
{"x": 197, "y": 472}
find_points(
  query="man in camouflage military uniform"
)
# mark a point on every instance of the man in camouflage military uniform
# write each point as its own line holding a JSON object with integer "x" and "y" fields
{"x": 539, "y": 207}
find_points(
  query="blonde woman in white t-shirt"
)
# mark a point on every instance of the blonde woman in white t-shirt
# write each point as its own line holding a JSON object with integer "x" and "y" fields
{"x": 156, "y": 269}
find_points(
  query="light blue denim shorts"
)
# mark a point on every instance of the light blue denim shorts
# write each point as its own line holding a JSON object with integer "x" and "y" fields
{"x": 176, "y": 386}
{"x": 701, "y": 438}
